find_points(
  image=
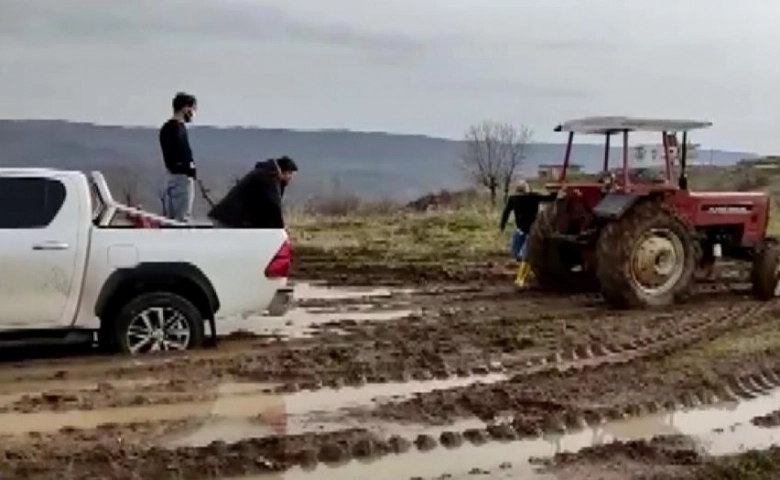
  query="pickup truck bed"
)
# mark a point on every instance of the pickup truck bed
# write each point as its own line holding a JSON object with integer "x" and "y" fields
{"x": 65, "y": 265}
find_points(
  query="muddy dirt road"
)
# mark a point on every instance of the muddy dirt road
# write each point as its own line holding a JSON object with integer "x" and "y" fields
{"x": 467, "y": 380}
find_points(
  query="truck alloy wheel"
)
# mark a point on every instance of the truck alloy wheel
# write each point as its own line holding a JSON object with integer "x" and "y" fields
{"x": 158, "y": 328}
{"x": 155, "y": 322}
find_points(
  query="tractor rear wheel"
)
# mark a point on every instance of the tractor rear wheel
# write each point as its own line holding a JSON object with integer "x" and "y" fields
{"x": 544, "y": 255}
{"x": 647, "y": 258}
{"x": 765, "y": 273}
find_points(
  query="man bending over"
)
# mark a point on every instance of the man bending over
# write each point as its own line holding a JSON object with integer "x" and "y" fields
{"x": 256, "y": 200}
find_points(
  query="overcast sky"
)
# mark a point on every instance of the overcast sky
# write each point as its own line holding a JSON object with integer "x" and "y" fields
{"x": 416, "y": 66}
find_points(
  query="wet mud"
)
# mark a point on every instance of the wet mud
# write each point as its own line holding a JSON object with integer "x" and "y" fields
{"x": 426, "y": 380}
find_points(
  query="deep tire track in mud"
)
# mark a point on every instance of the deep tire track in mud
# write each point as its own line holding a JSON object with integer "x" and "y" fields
{"x": 110, "y": 457}
{"x": 575, "y": 344}
{"x": 447, "y": 342}
{"x": 101, "y": 453}
{"x": 553, "y": 388}
{"x": 461, "y": 338}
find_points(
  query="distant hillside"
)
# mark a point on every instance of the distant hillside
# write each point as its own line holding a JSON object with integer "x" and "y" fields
{"x": 371, "y": 165}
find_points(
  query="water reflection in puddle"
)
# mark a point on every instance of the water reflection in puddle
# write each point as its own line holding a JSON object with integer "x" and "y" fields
{"x": 322, "y": 410}
{"x": 240, "y": 407}
{"x": 732, "y": 418}
{"x": 299, "y": 322}
{"x": 314, "y": 291}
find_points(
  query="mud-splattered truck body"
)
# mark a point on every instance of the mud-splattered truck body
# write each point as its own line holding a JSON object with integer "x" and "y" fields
{"x": 67, "y": 267}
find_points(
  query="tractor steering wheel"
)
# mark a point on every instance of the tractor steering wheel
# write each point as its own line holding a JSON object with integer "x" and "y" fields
{"x": 578, "y": 209}
{"x": 608, "y": 181}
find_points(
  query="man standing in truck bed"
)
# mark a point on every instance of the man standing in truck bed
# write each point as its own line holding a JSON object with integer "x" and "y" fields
{"x": 525, "y": 206}
{"x": 179, "y": 188}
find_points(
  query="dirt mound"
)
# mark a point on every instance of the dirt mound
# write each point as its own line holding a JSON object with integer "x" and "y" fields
{"x": 673, "y": 450}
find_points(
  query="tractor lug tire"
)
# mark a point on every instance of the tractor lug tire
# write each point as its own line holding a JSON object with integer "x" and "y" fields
{"x": 616, "y": 247}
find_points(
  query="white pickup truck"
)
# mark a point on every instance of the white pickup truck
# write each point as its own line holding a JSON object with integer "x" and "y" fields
{"x": 67, "y": 267}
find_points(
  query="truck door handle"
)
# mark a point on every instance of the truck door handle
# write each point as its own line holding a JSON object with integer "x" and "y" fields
{"x": 51, "y": 246}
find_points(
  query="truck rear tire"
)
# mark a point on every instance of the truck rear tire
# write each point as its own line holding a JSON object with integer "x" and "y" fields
{"x": 157, "y": 321}
{"x": 647, "y": 258}
{"x": 765, "y": 275}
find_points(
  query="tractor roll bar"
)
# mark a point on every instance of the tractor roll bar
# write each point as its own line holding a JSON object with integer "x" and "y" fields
{"x": 608, "y": 126}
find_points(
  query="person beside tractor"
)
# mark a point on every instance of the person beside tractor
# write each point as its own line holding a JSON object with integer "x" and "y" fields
{"x": 524, "y": 204}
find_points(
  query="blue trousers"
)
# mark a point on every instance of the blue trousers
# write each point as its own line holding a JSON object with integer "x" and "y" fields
{"x": 179, "y": 198}
{"x": 518, "y": 245}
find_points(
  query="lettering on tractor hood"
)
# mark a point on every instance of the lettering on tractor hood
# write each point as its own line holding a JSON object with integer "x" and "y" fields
{"x": 727, "y": 209}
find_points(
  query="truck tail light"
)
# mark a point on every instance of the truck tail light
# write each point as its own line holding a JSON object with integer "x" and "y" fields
{"x": 281, "y": 264}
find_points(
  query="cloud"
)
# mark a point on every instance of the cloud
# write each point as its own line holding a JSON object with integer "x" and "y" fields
{"x": 497, "y": 86}
{"x": 572, "y": 44}
{"x": 421, "y": 66}
{"x": 180, "y": 21}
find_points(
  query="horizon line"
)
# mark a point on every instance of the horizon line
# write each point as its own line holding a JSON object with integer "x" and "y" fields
{"x": 310, "y": 130}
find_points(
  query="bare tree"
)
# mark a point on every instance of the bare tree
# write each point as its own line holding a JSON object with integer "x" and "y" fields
{"x": 493, "y": 153}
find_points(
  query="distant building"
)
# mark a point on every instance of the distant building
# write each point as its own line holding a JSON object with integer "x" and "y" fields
{"x": 554, "y": 171}
{"x": 650, "y": 155}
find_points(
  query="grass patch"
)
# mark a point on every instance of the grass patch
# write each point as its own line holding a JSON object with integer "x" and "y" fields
{"x": 744, "y": 344}
{"x": 468, "y": 230}
{"x": 461, "y": 234}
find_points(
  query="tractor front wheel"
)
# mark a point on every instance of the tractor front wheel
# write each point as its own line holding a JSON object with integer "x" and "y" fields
{"x": 647, "y": 258}
{"x": 765, "y": 273}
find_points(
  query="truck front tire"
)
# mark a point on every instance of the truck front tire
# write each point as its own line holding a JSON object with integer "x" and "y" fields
{"x": 155, "y": 321}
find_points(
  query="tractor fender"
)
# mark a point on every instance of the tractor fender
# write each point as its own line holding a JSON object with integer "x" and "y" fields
{"x": 615, "y": 204}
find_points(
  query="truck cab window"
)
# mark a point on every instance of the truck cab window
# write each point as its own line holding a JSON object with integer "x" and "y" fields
{"x": 29, "y": 202}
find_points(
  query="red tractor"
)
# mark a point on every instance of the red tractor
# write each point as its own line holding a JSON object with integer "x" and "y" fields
{"x": 640, "y": 234}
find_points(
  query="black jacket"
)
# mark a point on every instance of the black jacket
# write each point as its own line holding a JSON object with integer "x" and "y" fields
{"x": 176, "y": 150}
{"x": 525, "y": 206}
{"x": 255, "y": 202}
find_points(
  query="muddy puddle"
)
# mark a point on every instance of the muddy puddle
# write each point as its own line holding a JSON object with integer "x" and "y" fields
{"x": 429, "y": 465}
{"x": 719, "y": 430}
{"x": 302, "y": 322}
{"x": 240, "y": 410}
{"x": 318, "y": 291}
{"x": 321, "y": 410}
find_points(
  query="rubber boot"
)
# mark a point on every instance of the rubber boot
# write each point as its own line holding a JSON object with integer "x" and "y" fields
{"x": 522, "y": 274}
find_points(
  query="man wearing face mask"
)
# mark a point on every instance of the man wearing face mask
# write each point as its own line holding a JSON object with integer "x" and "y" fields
{"x": 256, "y": 200}
{"x": 175, "y": 145}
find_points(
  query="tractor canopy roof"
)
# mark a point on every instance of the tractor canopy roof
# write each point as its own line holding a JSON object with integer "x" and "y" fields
{"x": 605, "y": 125}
